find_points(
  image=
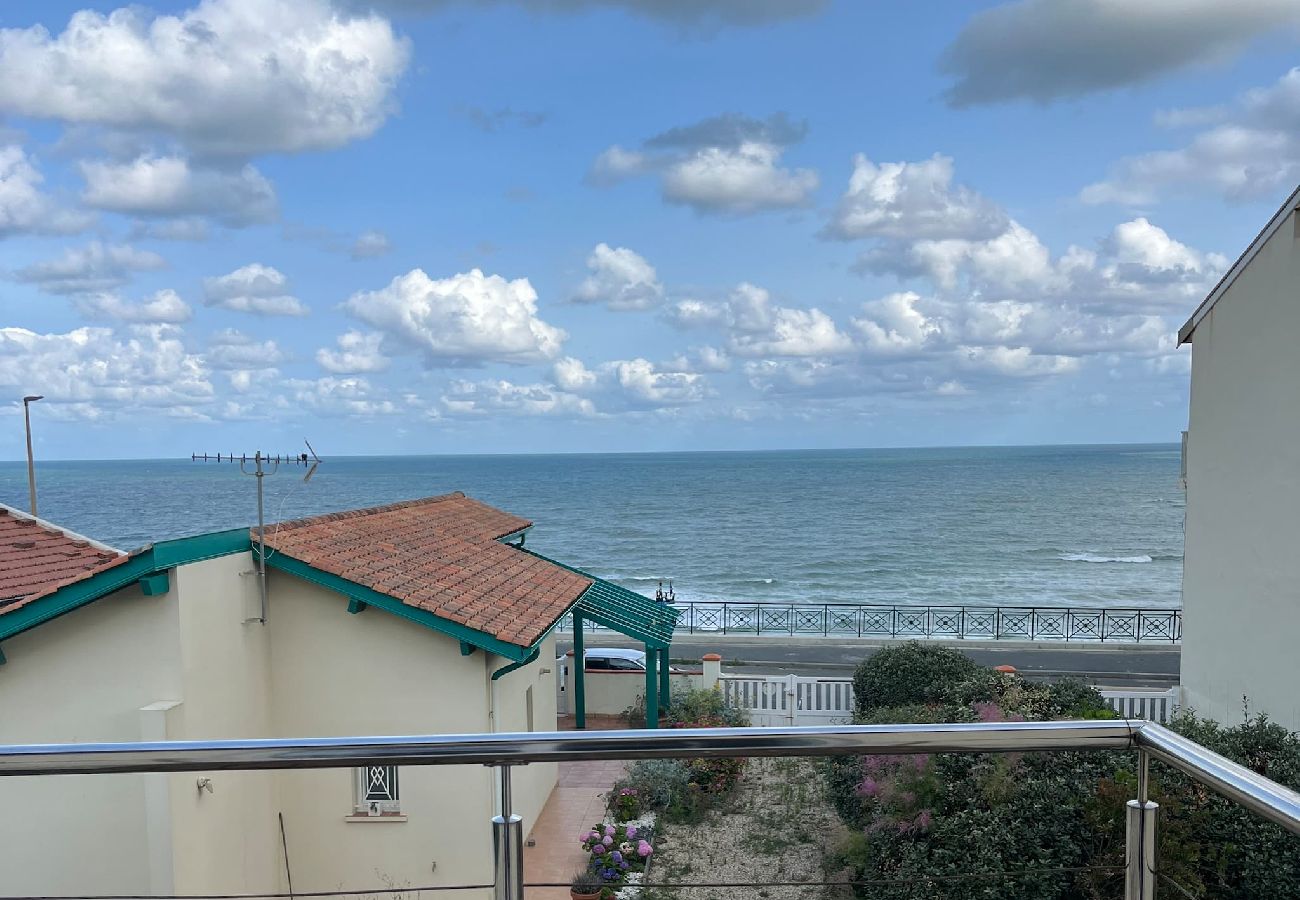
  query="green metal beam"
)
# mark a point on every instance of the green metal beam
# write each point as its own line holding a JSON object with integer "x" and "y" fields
{"x": 149, "y": 561}
{"x": 155, "y": 585}
{"x": 466, "y": 648}
{"x": 355, "y": 606}
{"x": 2, "y": 656}
{"x": 183, "y": 551}
{"x": 371, "y": 597}
{"x": 579, "y": 674}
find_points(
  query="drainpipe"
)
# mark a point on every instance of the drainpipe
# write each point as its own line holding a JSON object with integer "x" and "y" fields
{"x": 506, "y": 670}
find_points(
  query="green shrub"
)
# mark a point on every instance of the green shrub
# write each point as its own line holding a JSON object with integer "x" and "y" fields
{"x": 945, "y": 827}
{"x": 658, "y": 783}
{"x": 703, "y": 708}
{"x": 699, "y": 708}
{"x": 910, "y": 673}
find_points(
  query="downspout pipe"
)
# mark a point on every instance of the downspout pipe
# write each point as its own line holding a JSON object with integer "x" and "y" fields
{"x": 507, "y": 669}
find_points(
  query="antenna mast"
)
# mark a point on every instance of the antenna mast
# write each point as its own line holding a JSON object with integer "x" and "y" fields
{"x": 259, "y": 462}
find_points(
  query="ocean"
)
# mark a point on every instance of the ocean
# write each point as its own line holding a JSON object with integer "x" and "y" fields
{"x": 1010, "y": 526}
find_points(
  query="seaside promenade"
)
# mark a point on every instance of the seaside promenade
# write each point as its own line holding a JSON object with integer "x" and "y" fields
{"x": 1111, "y": 665}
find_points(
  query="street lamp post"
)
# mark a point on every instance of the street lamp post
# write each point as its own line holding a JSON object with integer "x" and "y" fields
{"x": 31, "y": 466}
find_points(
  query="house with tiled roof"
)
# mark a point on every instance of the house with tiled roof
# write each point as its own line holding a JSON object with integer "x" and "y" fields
{"x": 422, "y": 617}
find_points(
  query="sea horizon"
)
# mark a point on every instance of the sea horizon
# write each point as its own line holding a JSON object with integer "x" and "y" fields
{"x": 704, "y": 450}
{"x": 1047, "y": 525}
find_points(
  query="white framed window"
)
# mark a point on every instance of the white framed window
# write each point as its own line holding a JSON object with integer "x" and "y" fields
{"x": 377, "y": 791}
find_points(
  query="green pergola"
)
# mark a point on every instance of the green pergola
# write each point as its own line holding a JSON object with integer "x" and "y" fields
{"x": 627, "y": 612}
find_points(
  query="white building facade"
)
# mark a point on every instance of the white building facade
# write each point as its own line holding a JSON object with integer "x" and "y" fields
{"x": 1241, "y": 574}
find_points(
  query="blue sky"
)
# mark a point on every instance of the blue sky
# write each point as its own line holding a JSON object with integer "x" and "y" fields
{"x": 567, "y": 225}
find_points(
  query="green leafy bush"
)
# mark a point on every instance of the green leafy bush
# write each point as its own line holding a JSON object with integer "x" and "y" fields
{"x": 907, "y": 674}
{"x": 701, "y": 707}
{"x": 951, "y": 826}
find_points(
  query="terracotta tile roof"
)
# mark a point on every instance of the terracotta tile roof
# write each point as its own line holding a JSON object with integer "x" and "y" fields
{"x": 439, "y": 554}
{"x": 37, "y": 558}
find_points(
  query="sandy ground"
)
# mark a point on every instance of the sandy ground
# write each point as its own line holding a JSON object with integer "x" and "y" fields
{"x": 775, "y": 829}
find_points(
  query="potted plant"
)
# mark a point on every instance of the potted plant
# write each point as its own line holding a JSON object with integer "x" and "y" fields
{"x": 586, "y": 885}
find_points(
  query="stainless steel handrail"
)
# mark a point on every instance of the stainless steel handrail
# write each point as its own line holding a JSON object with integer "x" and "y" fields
{"x": 1260, "y": 795}
{"x": 555, "y": 746}
{"x": 1235, "y": 782}
{"x": 1220, "y": 774}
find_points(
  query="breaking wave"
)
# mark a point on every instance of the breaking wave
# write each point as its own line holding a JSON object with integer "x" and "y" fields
{"x": 1095, "y": 558}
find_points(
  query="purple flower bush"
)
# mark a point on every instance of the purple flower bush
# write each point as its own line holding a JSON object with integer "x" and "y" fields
{"x": 617, "y": 850}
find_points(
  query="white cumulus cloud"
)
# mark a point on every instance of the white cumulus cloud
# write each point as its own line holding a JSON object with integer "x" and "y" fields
{"x": 168, "y": 186}
{"x": 24, "y": 208}
{"x": 464, "y": 320}
{"x": 234, "y": 77}
{"x": 254, "y": 288}
{"x": 92, "y": 373}
{"x": 165, "y": 306}
{"x": 620, "y": 279}
{"x": 728, "y": 164}
{"x": 1251, "y": 151}
{"x": 507, "y": 398}
{"x": 571, "y": 374}
{"x": 233, "y": 349}
{"x": 912, "y": 200}
{"x": 645, "y": 384}
{"x": 95, "y": 268}
{"x": 357, "y": 352}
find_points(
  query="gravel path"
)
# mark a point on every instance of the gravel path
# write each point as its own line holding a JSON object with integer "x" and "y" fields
{"x": 776, "y": 828}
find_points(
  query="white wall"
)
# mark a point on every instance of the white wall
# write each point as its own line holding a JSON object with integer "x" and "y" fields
{"x": 187, "y": 665}
{"x": 225, "y": 841}
{"x": 1241, "y": 575}
{"x": 611, "y": 693}
{"x": 531, "y": 784}
{"x": 335, "y": 673}
{"x": 83, "y": 677}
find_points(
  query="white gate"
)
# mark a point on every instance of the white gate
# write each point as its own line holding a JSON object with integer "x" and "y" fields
{"x": 790, "y": 700}
{"x": 1154, "y": 706}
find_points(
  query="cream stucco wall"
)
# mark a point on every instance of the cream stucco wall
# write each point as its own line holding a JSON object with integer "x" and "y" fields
{"x": 1241, "y": 575}
{"x": 611, "y": 693}
{"x": 84, "y": 677}
{"x": 189, "y": 665}
{"x": 226, "y": 840}
{"x": 532, "y": 685}
{"x": 373, "y": 673}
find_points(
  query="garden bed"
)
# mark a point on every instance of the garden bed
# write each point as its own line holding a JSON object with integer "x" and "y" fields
{"x": 775, "y": 828}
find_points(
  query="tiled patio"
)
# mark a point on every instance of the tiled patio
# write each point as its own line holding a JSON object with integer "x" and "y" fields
{"x": 574, "y": 806}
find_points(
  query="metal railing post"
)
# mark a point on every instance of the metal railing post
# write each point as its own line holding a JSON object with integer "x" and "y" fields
{"x": 1140, "y": 839}
{"x": 507, "y": 847}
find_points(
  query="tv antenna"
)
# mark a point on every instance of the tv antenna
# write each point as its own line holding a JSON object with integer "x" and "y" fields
{"x": 256, "y": 465}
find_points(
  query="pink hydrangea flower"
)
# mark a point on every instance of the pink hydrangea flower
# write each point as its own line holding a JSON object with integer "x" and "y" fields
{"x": 643, "y": 849}
{"x": 607, "y": 840}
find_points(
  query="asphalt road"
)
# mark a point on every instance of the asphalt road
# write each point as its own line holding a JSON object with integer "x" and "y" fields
{"x": 1141, "y": 665}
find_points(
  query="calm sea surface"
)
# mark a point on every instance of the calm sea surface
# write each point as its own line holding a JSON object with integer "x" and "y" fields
{"x": 1009, "y": 526}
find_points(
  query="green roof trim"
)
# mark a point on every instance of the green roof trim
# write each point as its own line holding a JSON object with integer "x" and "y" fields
{"x": 625, "y": 611}
{"x": 145, "y": 563}
{"x": 371, "y": 597}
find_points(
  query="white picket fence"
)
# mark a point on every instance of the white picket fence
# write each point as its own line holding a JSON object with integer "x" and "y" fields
{"x": 794, "y": 700}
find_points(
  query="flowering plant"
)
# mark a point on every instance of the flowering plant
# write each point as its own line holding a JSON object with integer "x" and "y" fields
{"x": 617, "y": 850}
{"x": 625, "y": 803}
